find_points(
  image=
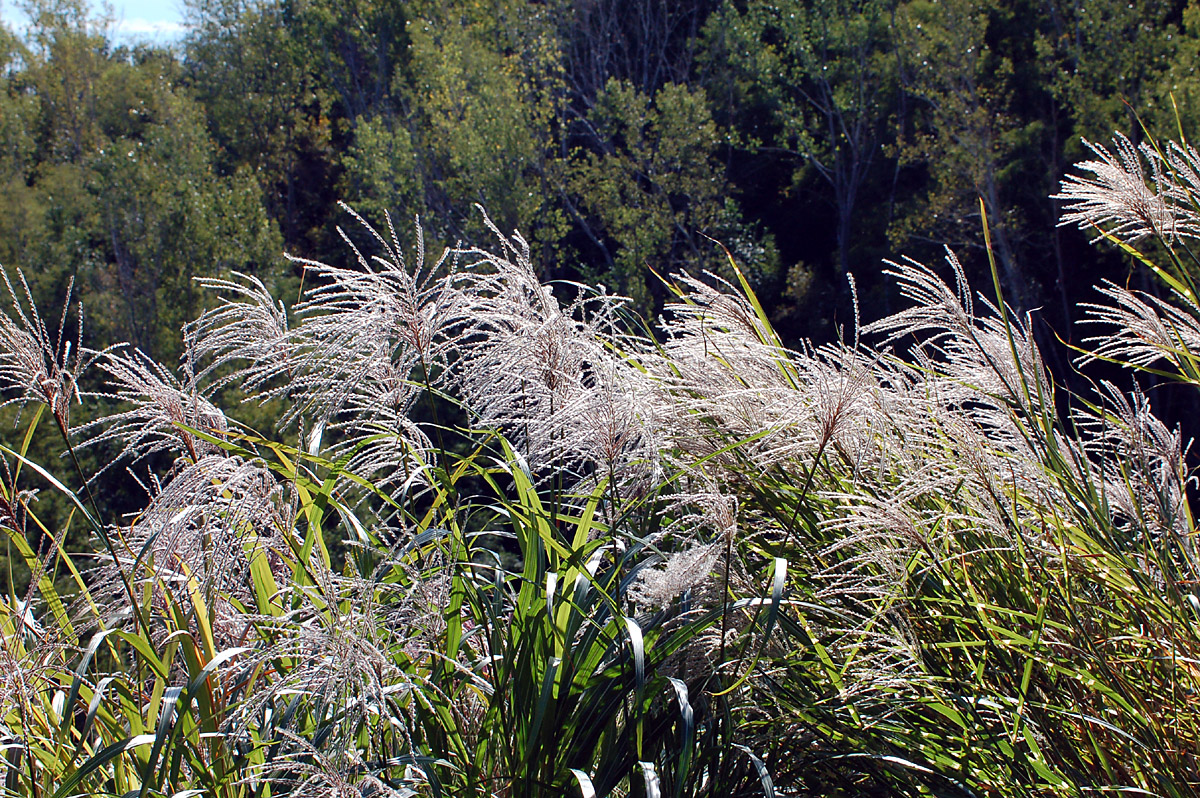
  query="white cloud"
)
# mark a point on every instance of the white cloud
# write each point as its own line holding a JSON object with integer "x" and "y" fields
{"x": 139, "y": 27}
{"x": 13, "y": 18}
{"x": 127, "y": 29}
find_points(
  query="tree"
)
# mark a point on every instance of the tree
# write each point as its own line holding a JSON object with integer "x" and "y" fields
{"x": 645, "y": 43}
{"x": 116, "y": 188}
{"x": 826, "y": 73}
{"x": 268, "y": 106}
{"x": 967, "y": 136}
{"x": 1104, "y": 63}
{"x": 482, "y": 91}
{"x": 167, "y": 217}
{"x": 656, "y": 192}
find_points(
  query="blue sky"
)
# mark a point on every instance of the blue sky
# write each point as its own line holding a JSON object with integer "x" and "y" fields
{"x": 136, "y": 20}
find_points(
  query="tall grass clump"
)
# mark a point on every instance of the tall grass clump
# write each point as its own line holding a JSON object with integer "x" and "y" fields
{"x": 500, "y": 542}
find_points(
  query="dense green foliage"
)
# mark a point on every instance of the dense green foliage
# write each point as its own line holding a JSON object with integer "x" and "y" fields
{"x": 810, "y": 138}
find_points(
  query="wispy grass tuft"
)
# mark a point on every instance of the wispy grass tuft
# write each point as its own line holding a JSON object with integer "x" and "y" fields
{"x": 497, "y": 542}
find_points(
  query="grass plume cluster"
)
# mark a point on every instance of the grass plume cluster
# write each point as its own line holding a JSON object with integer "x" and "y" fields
{"x": 572, "y": 558}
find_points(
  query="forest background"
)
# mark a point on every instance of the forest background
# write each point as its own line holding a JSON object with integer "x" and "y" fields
{"x": 623, "y": 138}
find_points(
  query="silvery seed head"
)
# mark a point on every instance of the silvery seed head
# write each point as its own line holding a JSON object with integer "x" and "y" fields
{"x": 1123, "y": 201}
{"x": 35, "y": 365}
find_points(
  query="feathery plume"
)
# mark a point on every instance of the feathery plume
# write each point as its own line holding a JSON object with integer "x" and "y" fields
{"x": 247, "y": 329}
{"x": 990, "y": 356}
{"x": 1122, "y": 201}
{"x": 201, "y": 531}
{"x": 370, "y": 340}
{"x": 1143, "y": 467}
{"x": 550, "y": 375}
{"x": 1142, "y": 329}
{"x": 161, "y": 411}
{"x": 33, "y": 364}
{"x": 683, "y": 571}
